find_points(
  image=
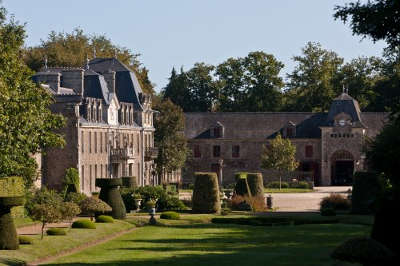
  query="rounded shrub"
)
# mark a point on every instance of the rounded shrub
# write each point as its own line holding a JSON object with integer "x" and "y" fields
{"x": 206, "y": 193}
{"x": 84, "y": 223}
{"x": 104, "y": 219}
{"x": 170, "y": 203}
{"x": 256, "y": 184}
{"x": 170, "y": 215}
{"x": 335, "y": 201}
{"x": 111, "y": 195}
{"x": 275, "y": 184}
{"x": 25, "y": 240}
{"x": 301, "y": 184}
{"x": 56, "y": 232}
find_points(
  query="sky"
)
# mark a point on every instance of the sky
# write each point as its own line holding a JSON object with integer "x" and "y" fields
{"x": 179, "y": 33}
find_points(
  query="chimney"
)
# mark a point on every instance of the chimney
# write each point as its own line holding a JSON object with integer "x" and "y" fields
{"x": 110, "y": 79}
{"x": 73, "y": 79}
{"x": 50, "y": 78}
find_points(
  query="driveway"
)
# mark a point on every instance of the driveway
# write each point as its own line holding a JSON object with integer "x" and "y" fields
{"x": 304, "y": 202}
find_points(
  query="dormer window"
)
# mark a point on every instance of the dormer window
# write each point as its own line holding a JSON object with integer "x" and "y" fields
{"x": 290, "y": 130}
{"x": 217, "y": 131}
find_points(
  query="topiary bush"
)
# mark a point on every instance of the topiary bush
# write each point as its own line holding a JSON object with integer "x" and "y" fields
{"x": 129, "y": 182}
{"x": 128, "y": 196}
{"x": 84, "y": 223}
{"x": 367, "y": 186}
{"x": 104, "y": 219}
{"x": 256, "y": 184}
{"x": 170, "y": 203}
{"x": 170, "y": 215}
{"x": 275, "y": 184}
{"x": 206, "y": 193}
{"x": 335, "y": 201}
{"x": 25, "y": 240}
{"x": 76, "y": 198}
{"x": 111, "y": 195}
{"x": 92, "y": 206}
{"x": 56, "y": 232}
{"x": 241, "y": 184}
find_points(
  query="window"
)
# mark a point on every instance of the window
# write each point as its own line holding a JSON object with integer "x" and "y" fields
{"x": 309, "y": 151}
{"x": 217, "y": 132}
{"x": 95, "y": 142}
{"x": 90, "y": 142}
{"x": 83, "y": 178}
{"x": 289, "y": 132}
{"x": 216, "y": 151}
{"x": 235, "y": 151}
{"x": 196, "y": 151}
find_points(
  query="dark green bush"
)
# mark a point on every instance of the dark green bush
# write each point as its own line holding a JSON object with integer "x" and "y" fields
{"x": 328, "y": 212}
{"x": 225, "y": 211}
{"x": 25, "y": 240}
{"x": 275, "y": 184}
{"x": 128, "y": 196}
{"x": 104, "y": 219}
{"x": 187, "y": 203}
{"x": 241, "y": 184}
{"x": 129, "y": 182}
{"x": 151, "y": 192}
{"x": 300, "y": 184}
{"x": 256, "y": 184}
{"x": 56, "y": 232}
{"x": 365, "y": 251}
{"x": 170, "y": 203}
{"x": 110, "y": 194}
{"x": 76, "y": 198}
{"x": 367, "y": 186}
{"x": 335, "y": 201}
{"x": 8, "y": 233}
{"x": 206, "y": 193}
{"x": 84, "y": 223}
{"x": 170, "y": 215}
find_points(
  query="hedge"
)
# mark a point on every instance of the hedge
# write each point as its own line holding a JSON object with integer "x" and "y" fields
{"x": 170, "y": 215}
{"x": 25, "y": 240}
{"x": 56, "y": 232}
{"x": 83, "y": 223}
{"x": 241, "y": 184}
{"x": 111, "y": 195}
{"x": 104, "y": 219}
{"x": 206, "y": 197}
{"x": 366, "y": 188}
{"x": 129, "y": 182}
{"x": 256, "y": 184}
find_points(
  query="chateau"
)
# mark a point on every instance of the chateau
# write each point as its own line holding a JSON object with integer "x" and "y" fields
{"x": 109, "y": 129}
{"x": 328, "y": 145}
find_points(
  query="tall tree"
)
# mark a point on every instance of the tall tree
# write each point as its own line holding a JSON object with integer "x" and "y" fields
{"x": 169, "y": 138}
{"x": 311, "y": 85}
{"x": 177, "y": 90}
{"x": 279, "y": 155}
{"x": 26, "y": 123}
{"x": 251, "y": 83}
{"x": 72, "y": 49}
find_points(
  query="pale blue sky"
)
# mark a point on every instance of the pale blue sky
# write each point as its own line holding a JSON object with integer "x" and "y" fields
{"x": 182, "y": 32}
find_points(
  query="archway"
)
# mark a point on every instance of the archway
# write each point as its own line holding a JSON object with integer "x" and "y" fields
{"x": 342, "y": 168}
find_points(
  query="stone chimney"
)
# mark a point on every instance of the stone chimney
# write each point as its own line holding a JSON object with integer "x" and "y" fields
{"x": 73, "y": 79}
{"x": 110, "y": 79}
{"x": 50, "y": 78}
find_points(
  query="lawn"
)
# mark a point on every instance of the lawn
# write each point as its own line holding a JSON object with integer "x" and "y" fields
{"x": 51, "y": 245}
{"x": 287, "y": 190}
{"x": 194, "y": 241}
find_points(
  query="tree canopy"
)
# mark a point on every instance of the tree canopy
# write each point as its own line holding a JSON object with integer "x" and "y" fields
{"x": 26, "y": 124}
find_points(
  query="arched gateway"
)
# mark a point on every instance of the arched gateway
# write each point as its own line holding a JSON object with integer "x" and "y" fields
{"x": 342, "y": 168}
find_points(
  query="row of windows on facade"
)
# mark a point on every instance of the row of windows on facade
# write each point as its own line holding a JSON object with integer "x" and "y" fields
{"x": 342, "y": 135}
{"x": 309, "y": 151}
{"x": 97, "y": 141}
{"x": 94, "y": 113}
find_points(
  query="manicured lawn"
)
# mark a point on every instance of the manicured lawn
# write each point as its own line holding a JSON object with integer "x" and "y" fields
{"x": 51, "y": 245}
{"x": 287, "y": 190}
{"x": 194, "y": 241}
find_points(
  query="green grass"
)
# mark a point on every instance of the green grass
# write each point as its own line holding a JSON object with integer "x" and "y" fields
{"x": 51, "y": 245}
{"x": 287, "y": 190}
{"x": 194, "y": 241}
{"x": 20, "y": 222}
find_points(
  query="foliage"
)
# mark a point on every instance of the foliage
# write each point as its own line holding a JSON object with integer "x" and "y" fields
{"x": 148, "y": 205}
{"x": 12, "y": 186}
{"x": 110, "y": 194}
{"x": 367, "y": 187}
{"x": 92, "y": 206}
{"x": 128, "y": 196}
{"x": 72, "y": 49}
{"x": 256, "y": 184}
{"x": 69, "y": 211}
{"x": 239, "y": 203}
{"x": 25, "y": 240}
{"x": 46, "y": 213}
{"x": 42, "y": 196}
{"x": 301, "y": 184}
{"x": 76, "y": 198}
{"x": 56, "y": 232}
{"x": 225, "y": 211}
{"x": 335, "y": 201}
{"x": 378, "y": 19}
{"x": 169, "y": 138}
{"x": 104, "y": 219}
{"x": 328, "y": 211}
{"x": 130, "y": 182}
{"x": 150, "y": 192}
{"x": 8, "y": 233}
{"x": 84, "y": 224}
{"x": 277, "y": 184}
{"x": 170, "y": 215}
{"x": 363, "y": 250}
{"x": 26, "y": 124}
{"x": 171, "y": 203}
{"x": 241, "y": 185}
{"x": 206, "y": 193}
{"x": 71, "y": 181}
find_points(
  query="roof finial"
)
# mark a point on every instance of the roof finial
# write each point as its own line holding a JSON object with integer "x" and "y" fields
{"x": 94, "y": 52}
{"x": 87, "y": 62}
{"x": 45, "y": 62}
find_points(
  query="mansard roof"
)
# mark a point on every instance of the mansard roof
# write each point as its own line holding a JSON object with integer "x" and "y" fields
{"x": 126, "y": 83}
{"x": 264, "y": 125}
{"x": 344, "y": 103}
{"x": 95, "y": 86}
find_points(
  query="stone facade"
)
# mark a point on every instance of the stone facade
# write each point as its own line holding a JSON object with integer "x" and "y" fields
{"x": 109, "y": 124}
{"x": 328, "y": 145}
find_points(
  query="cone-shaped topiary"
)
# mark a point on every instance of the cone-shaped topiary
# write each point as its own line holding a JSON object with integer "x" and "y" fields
{"x": 256, "y": 184}
{"x": 241, "y": 186}
{"x": 206, "y": 193}
{"x": 111, "y": 195}
{"x": 11, "y": 195}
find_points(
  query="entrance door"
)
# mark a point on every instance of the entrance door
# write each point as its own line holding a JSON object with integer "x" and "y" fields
{"x": 343, "y": 173}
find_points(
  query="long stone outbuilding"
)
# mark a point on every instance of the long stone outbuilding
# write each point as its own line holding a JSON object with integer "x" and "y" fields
{"x": 329, "y": 146}
{"x": 109, "y": 131}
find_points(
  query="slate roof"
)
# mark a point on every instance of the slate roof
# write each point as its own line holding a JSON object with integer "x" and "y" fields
{"x": 344, "y": 103}
{"x": 95, "y": 86}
